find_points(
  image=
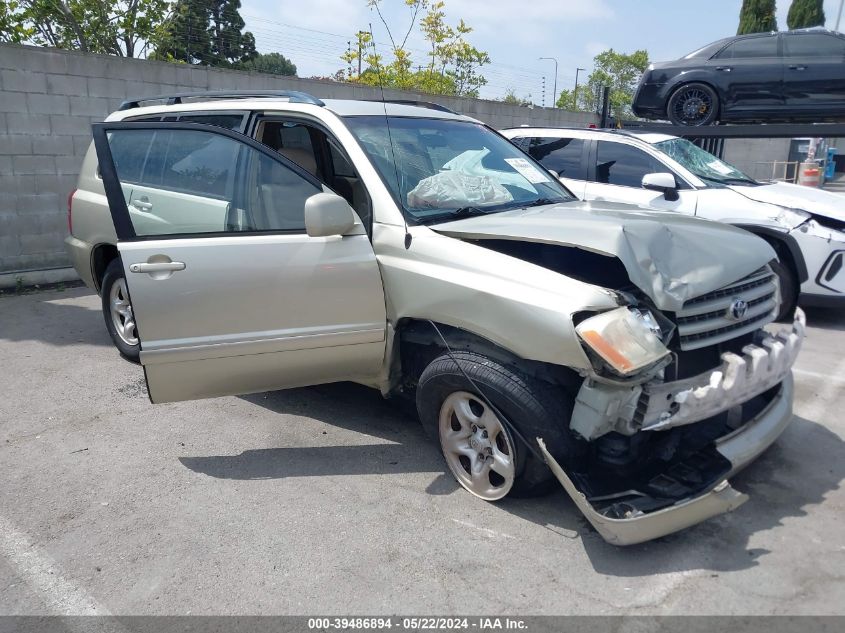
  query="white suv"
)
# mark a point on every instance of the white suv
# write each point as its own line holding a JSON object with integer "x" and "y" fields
{"x": 410, "y": 249}
{"x": 805, "y": 226}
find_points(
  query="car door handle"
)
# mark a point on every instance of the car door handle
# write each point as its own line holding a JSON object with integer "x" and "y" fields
{"x": 797, "y": 68}
{"x": 142, "y": 204}
{"x": 724, "y": 69}
{"x": 156, "y": 267}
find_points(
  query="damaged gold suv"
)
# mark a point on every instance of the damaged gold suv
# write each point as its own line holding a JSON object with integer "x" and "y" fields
{"x": 620, "y": 352}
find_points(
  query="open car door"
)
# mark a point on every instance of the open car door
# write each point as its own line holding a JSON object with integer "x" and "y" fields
{"x": 228, "y": 292}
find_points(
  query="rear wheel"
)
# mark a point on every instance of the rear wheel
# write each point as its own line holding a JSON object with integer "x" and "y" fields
{"x": 693, "y": 105}
{"x": 117, "y": 311}
{"x": 486, "y": 454}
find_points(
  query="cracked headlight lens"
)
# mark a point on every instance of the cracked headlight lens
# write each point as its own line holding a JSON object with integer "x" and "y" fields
{"x": 627, "y": 339}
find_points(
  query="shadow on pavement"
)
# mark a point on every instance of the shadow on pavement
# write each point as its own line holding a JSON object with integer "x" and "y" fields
{"x": 53, "y": 317}
{"x": 792, "y": 476}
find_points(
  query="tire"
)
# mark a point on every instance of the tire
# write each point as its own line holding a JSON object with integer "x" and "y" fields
{"x": 451, "y": 410}
{"x": 788, "y": 290}
{"x": 117, "y": 312}
{"x": 693, "y": 105}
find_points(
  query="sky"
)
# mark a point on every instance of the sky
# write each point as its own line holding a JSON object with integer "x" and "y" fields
{"x": 515, "y": 33}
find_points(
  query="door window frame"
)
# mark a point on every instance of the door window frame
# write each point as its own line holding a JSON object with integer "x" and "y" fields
{"x": 114, "y": 193}
{"x": 592, "y": 156}
{"x": 322, "y": 153}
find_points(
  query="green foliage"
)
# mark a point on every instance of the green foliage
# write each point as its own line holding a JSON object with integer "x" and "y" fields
{"x": 757, "y": 16}
{"x": 805, "y": 13}
{"x": 452, "y": 63}
{"x": 122, "y": 27}
{"x": 13, "y": 26}
{"x": 206, "y": 32}
{"x": 619, "y": 71}
{"x": 270, "y": 63}
{"x": 511, "y": 98}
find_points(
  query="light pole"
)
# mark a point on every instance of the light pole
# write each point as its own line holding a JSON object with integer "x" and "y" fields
{"x": 839, "y": 14}
{"x": 554, "y": 99}
{"x": 575, "y": 92}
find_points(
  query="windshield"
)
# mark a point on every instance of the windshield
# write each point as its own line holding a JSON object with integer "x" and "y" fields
{"x": 448, "y": 169}
{"x": 703, "y": 164}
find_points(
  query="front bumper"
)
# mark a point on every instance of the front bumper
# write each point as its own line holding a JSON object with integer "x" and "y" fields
{"x": 740, "y": 447}
{"x": 823, "y": 249}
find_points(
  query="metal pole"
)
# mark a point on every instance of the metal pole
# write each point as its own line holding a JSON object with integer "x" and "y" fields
{"x": 575, "y": 92}
{"x": 554, "y": 98}
{"x": 839, "y": 14}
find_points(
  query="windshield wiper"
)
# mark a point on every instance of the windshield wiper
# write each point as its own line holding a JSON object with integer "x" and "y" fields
{"x": 465, "y": 212}
{"x": 458, "y": 214}
{"x": 540, "y": 202}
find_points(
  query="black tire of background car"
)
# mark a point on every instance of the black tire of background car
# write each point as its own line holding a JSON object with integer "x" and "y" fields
{"x": 788, "y": 290}
{"x": 113, "y": 274}
{"x": 680, "y": 92}
{"x": 534, "y": 408}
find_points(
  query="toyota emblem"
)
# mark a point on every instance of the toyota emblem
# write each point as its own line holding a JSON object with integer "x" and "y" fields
{"x": 738, "y": 309}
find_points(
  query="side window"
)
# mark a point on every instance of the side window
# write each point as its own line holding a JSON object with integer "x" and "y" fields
{"x": 624, "y": 165}
{"x": 208, "y": 183}
{"x": 765, "y": 46}
{"x": 129, "y": 154}
{"x": 562, "y": 155}
{"x": 293, "y": 141}
{"x": 814, "y": 45}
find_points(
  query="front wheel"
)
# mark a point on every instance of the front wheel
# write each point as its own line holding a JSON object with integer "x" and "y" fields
{"x": 693, "y": 105}
{"x": 487, "y": 455}
{"x": 117, "y": 311}
{"x": 788, "y": 290}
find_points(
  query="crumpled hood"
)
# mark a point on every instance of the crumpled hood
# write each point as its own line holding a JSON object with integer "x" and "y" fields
{"x": 809, "y": 199}
{"x": 670, "y": 257}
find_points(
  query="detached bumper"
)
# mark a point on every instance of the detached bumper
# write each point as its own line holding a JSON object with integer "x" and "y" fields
{"x": 741, "y": 448}
{"x": 742, "y": 379}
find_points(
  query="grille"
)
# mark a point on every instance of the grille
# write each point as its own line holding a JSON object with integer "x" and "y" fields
{"x": 706, "y": 320}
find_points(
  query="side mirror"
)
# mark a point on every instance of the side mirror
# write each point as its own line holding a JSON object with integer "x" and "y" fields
{"x": 663, "y": 182}
{"x": 328, "y": 214}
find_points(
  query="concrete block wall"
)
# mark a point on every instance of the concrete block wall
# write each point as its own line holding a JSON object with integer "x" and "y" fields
{"x": 50, "y": 97}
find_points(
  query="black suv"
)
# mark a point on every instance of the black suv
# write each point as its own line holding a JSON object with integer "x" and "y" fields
{"x": 795, "y": 75}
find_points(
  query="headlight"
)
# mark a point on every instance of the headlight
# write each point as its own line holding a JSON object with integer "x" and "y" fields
{"x": 627, "y": 339}
{"x": 792, "y": 217}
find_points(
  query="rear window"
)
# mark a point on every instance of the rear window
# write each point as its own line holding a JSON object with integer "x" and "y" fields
{"x": 562, "y": 155}
{"x": 814, "y": 45}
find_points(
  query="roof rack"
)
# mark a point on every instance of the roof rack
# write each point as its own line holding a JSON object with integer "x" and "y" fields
{"x": 420, "y": 104}
{"x": 294, "y": 96}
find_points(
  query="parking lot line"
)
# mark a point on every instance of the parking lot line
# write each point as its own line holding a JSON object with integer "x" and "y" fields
{"x": 43, "y": 575}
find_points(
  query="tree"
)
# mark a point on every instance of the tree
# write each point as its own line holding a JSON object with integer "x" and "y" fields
{"x": 757, "y": 16}
{"x": 805, "y": 13}
{"x": 452, "y": 65}
{"x": 122, "y": 27}
{"x": 511, "y": 99}
{"x": 205, "y": 32}
{"x": 619, "y": 71}
{"x": 270, "y": 63}
{"x": 185, "y": 37}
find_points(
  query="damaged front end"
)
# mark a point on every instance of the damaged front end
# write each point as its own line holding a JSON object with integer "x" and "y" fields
{"x": 662, "y": 450}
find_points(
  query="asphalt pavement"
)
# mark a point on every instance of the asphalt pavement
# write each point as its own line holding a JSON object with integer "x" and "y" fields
{"x": 330, "y": 500}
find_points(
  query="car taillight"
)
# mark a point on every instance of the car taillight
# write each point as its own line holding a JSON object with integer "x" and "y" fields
{"x": 70, "y": 211}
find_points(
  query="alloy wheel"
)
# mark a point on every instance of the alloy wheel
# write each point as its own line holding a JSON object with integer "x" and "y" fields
{"x": 693, "y": 106}
{"x": 122, "y": 316}
{"x": 477, "y": 447}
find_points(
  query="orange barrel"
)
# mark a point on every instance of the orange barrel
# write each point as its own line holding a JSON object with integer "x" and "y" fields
{"x": 809, "y": 174}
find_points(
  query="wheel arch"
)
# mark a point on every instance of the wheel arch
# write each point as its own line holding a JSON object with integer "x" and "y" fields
{"x": 785, "y": 246}
{"x": 101, "y": 256}
{"x": 416, "y": 343}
